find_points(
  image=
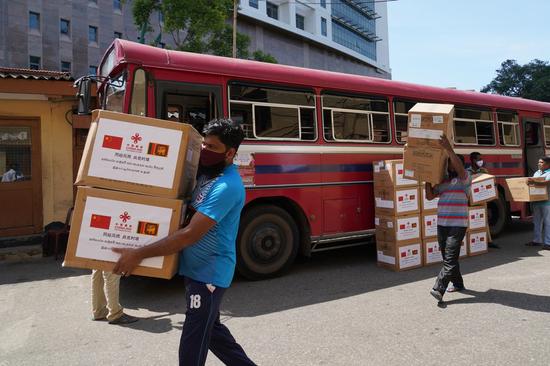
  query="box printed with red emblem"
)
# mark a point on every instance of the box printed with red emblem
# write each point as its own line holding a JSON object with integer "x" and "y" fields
{"x": 482, "y": 189}
{"x": 432, "y": 253}
{"x": 429, "y": 224}
{"x": 391, "y": 173}
{"x": 105, "y": 219}
{"x": 392, "y": 201}
{"x": 402, "y": 229}
{"x": 477, "y": 242}
{"x": 399, "y": 257}
{"x": 477, "y": 217}
{"x": 140, "y": 155}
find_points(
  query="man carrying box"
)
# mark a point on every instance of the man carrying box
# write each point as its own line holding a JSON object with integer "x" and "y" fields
{"x": 452, "y": 219}
{"x": 541, "y": 209}
{"x": 208, "y": 243}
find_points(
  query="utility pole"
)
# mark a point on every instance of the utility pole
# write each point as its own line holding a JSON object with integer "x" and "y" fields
{"x": 235, "y": 6}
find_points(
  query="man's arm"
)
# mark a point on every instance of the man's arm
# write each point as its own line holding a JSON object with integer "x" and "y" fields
{"x": 130, "y": 258}
{"x": 456, "y": 163}
{"x": 535, "y": 182}
{"x": 430, "y": 194}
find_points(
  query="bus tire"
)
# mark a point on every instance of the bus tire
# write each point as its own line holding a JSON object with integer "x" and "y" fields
{"x": 267, "y": 243}
{"x": 498, "y": 215}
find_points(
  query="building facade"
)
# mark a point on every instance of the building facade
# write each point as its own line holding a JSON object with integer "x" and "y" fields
{"x": 339, "y": 35}
{"x": 348, "y": 36}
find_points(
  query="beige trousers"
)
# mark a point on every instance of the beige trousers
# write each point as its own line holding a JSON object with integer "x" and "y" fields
{"x": 105, "y": 291}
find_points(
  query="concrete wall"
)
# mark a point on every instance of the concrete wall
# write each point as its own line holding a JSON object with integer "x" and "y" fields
{"x": 56, "y": 156}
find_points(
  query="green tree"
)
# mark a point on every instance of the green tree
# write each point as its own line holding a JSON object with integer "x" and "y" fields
{"x": 531, "y": 81}
{"x": 196, "y": 25}
{"x": 264, "y": 57}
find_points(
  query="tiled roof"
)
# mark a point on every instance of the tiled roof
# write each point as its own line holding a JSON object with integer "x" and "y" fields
{"x": 14, "y": 73}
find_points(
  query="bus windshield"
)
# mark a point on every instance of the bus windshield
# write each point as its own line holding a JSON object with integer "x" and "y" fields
{"x": 114, "y": 94}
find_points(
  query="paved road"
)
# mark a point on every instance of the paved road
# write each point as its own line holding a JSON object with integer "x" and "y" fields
{"x": 338, "y": 308}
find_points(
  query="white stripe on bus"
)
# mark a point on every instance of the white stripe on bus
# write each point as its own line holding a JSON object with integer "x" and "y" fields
{"x": 327, "y": 149}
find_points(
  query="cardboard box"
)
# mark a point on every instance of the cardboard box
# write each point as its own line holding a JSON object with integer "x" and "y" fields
{"x": 390, "y": 201}
{"x": 104, "y": 219}
{"x": 402, "y": 229}
{"x": 425, "y": 164}
{"x": 477, "y": 242}
{"x": 390, "y": 173}
{"x": 432, "y": 253}
{"x": 427, "y": 122}
{"x": 520, "y": 191}
{"x": 425, "y": 204}
{"x": 464, "y": 247}
{"x": 399, "y": 257}
{"x": 140, "y": 155}
{"x": 429, "y": 224}
{"x": 477, "y": 217}
{"x": 483, "y": 189}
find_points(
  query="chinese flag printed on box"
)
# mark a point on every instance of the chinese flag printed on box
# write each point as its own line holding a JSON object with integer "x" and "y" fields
{"x": 112, "y": 142}
{"x": 100, "y": 221}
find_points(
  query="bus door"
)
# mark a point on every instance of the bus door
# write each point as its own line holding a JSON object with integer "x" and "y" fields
{"x": 533, "y": 144}
{"x": 194, "y": 104}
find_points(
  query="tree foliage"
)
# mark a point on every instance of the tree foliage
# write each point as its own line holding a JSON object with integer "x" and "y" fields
{"x": 264, "y": 57}
{"x": 531, "y": 81}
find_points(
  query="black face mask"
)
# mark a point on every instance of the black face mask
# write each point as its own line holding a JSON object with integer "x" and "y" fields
{"x": 211, "y": 171}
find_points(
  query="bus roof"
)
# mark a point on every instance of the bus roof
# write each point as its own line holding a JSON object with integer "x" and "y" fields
{"x": 149, "y": 56}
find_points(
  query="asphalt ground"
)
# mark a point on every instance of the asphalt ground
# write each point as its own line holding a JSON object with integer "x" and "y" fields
{"x": 338, "y": 308}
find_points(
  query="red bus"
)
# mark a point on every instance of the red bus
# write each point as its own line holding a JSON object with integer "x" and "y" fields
{"x": 311, "y": 138}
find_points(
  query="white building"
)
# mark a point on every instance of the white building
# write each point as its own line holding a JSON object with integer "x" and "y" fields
{"x": 339, "y": 35}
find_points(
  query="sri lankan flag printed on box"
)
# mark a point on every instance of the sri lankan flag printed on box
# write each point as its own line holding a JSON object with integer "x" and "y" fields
{"x": 147, "y": 228}
{"x": 157, "y": 149}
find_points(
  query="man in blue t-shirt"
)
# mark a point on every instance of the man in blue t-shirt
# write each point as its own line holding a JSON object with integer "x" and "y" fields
{"x": 208, "y": 248}
{"x": 541, "y": 209}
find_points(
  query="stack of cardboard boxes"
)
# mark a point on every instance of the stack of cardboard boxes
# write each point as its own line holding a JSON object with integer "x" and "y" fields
{"x": 397, "y": 217}
{"x": 133, "y": 178}
{"x": 482, "y": 190}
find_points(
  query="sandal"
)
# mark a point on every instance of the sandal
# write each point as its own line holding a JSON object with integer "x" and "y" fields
{"x": 533, "y": 244}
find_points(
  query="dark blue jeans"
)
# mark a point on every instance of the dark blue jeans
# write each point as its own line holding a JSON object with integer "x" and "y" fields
{"x": 449, "y": 238}
{"x": 202, "y": 329}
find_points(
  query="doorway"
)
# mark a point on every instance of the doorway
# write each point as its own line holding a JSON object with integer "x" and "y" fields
{"x": 21, "y": 177}
{"x": 533, "y": 144}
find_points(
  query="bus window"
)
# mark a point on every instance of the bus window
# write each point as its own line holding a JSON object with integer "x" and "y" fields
{"x": 473, "y": 127}
{"x": 114, "y": 94}
{"x": 547, "y": 131}
{"x": 138, "y": 106}
{"x": 268, "y": 113}
{"x": 355, "y": 119}
{"x": 401, "y": 117}
{"x": 508, "y": 127}
{"x": 188, "y": 103}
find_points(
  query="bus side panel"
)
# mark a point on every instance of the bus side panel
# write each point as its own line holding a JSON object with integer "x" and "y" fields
{"x": 306, "y": 198}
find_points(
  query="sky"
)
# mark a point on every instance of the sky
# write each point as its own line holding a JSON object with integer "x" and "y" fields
{"x": 461, "y": 43}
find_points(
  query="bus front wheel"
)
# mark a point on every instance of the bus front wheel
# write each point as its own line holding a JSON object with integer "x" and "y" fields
{"x": 267, "y": 243}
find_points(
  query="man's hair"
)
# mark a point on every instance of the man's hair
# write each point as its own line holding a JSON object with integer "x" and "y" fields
{"x": 230, "y": 133}
{"x": 475, "y": 155}
{"x": 461, "y": 158}
{"x": 546, "y": 159}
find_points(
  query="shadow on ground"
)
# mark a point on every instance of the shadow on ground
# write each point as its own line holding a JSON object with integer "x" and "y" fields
{"x": 325, "y": 277}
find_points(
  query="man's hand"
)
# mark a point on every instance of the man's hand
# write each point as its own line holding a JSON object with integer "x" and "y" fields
{"x": 128, "y": 261}
{"x": 445, "y": 143}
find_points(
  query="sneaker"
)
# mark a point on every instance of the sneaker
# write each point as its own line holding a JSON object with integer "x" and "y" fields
{"x": 438, "y": 295}
{"x": 455, "y": 288}
{"x": 124, "y": 319}
{"x": 533, "y": 244}
{"x": 546, "y": 247}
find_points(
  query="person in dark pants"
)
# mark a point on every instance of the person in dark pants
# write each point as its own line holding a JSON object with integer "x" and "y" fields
{"x": 452, "y": 219}
{"x": 208, "y": 249}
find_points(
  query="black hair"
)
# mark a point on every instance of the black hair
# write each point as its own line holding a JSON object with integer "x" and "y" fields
{"x": 461, "y": 158}
{"x": 475, "y": 155}
{"x": 546, "y": 159}
{"x": 230, "y": 133}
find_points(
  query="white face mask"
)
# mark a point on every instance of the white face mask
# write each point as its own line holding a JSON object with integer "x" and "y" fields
{"x": 479, "y": 163}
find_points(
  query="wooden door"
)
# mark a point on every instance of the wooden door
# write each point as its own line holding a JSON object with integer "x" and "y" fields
{"x": 20, "y": 177}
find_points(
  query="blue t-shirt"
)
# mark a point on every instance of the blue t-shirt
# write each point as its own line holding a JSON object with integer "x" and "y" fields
{"x": 212, "y": 259}
{"x": 546, "y": 175}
